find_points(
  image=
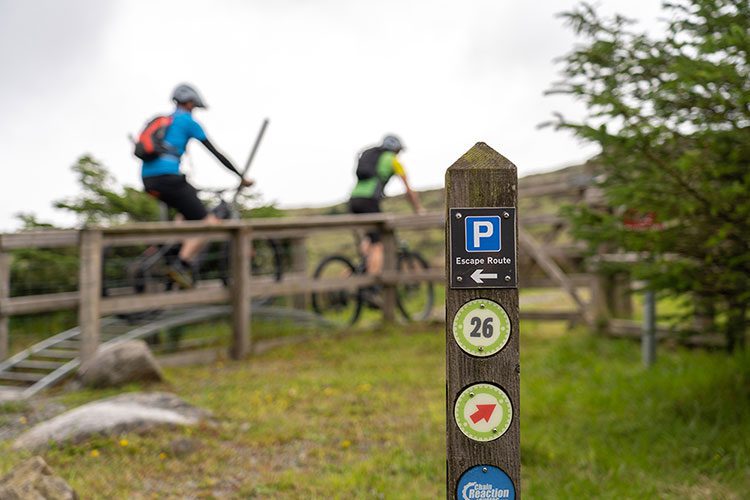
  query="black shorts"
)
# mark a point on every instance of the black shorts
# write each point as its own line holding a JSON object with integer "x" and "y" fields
{"x": 366, "y": 206}
{"x": 176, "y": 192}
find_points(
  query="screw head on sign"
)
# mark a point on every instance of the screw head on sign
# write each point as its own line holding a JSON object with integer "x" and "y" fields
{"x": 484, "y": 469}
{"x": 507, "y": 278}
{"x": 459, "y": 278}
{"x": 506, "y": 215}
{"x": 480, "y": 348}
{"x": 481, "y": 306}
{"x": 494, "y": 431}
{"x": 458, "y": 215}
{"x": 471, "y": 394}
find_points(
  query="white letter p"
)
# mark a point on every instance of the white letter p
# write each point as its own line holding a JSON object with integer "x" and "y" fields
{"x": 482, "y": 229}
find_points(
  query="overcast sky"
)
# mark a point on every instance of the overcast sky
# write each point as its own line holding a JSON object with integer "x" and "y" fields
{"x": 333, "y": 76}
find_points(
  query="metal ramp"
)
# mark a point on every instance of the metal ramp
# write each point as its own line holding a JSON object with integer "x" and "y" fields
{"x": 51, "y": 360}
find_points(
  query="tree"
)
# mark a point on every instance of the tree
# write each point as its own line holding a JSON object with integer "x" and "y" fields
{"x": 671, "y": 114}
{"x": 100, "y": 201}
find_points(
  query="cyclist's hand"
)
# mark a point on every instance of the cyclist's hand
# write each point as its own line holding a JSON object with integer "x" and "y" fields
{"x": 246, "y": 182}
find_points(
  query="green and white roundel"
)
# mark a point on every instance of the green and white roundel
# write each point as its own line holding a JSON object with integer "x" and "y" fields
{"x": 481, "y": 327}
{"x": 483, "y": 412}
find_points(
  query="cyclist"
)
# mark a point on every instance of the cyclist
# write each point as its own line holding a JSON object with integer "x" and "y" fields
{"x": 375, "y": 167}
{"x": 163, "y": 180}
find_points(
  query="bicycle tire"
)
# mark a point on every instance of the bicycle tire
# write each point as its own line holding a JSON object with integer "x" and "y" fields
{"x": 343, "y": 306}
{"x": 414, "y": 300}
{"x": 266, "y": 261}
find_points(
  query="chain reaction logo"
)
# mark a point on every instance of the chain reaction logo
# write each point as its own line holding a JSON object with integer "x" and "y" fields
{"x": 485, "y": 481}
{"x": 481, "y": 327}
{"x": 483, "y": 412}
{"x": 483, "y": 234}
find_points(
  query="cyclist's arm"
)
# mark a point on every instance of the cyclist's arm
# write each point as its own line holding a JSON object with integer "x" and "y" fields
{"x": 219, "y": 156}
{"x": 411, "y": 195}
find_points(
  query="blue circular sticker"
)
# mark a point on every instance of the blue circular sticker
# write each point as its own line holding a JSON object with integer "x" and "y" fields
{"x": 485, "y": 481}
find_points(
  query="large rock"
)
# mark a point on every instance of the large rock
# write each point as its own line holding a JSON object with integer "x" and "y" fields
{"x": 118, "y": 364}
{"x": 132, "y": 412}
{"x": 34, "y": 480}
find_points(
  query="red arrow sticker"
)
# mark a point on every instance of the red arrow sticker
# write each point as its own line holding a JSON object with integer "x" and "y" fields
{"x": 484, "y": 412}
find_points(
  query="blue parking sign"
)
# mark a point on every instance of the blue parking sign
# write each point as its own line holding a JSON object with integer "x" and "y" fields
{"x": 483, "y": 234}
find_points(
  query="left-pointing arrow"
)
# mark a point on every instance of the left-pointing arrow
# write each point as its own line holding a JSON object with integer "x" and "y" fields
{"x": 478, "y": 276}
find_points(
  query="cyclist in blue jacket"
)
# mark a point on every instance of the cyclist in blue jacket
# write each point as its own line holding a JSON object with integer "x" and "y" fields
{"x": 163, "y": 180}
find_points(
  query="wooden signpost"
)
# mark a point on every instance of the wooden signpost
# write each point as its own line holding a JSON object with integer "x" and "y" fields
{"x": 482, "y": 357}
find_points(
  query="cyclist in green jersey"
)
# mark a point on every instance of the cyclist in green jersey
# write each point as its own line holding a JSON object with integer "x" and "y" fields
{"x": 375, "y": 167}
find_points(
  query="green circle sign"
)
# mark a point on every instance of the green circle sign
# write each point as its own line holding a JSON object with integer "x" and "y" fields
{"x": 483, "y": 412}
{"x": 481, "y": 327}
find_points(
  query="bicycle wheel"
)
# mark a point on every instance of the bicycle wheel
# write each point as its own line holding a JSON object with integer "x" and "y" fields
{"x": 341, "y": 306}
{"x": 415, "y": 299}
{"x": 266, "y": 262}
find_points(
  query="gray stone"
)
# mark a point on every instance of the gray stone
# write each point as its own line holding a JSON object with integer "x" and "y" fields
{"x": 34, "y": 480}
{"x": 118, "y": 364}
{"x": 132, "y": 412}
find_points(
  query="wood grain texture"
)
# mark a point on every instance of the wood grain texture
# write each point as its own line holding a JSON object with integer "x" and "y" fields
{"x": 240, "y": 273}
{"x": 90, "y": 290}
{"x": 482, "y": 178}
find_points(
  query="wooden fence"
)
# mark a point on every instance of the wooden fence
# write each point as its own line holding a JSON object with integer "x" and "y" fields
{"x": 547, "y": 259}
{"x": 91, "y": 305}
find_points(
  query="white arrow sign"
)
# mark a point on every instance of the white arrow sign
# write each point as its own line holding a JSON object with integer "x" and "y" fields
{"x": 478, "y": 276}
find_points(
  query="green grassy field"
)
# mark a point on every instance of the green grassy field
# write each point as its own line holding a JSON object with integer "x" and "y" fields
{"x": 362, "y": 415}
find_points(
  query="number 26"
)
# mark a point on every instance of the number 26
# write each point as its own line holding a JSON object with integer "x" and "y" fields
{"x": 486, "y": 327}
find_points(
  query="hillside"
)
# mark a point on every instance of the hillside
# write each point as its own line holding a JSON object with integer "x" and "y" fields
{"x": 434, "y": 199}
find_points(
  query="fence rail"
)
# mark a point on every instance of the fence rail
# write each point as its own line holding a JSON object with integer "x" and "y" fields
{"x": 244, "y": 287}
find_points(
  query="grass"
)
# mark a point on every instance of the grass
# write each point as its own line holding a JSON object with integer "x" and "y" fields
{"x": 363, "y": 416}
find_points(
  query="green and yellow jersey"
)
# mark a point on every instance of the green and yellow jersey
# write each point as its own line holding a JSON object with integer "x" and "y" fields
{"x": 373, "y": 187}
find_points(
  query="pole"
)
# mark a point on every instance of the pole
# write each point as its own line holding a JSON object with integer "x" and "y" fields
{"x": 482, "y": 328}
{"x": 250, "y": 158}
{"x": 648, "y": 339}
{"x": 90, "y": 290}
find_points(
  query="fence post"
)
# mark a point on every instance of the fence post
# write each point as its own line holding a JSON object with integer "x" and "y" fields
{"x": 242, "y": 247}
{"x": 90, "y": 290}
{"x": 648, "y": 340}
{"x": 598, "y": 303}
{"x": 298, "y": 247}
{"x": 482, "y": 327}
{"x": 4, "y": 294}
{"x": 390, "y": 250}
{"x": 622, "y": 298}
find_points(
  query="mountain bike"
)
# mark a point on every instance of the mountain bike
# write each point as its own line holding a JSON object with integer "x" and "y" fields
{"x": 414, "y": 299}
{"x": 147, "y": 273}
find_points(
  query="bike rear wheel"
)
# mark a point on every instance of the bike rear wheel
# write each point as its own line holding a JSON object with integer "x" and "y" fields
{"x": 415, "y": 299}
{"x": 339, "y": 305}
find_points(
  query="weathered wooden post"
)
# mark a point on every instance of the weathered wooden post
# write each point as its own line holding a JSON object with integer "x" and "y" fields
{"x": 4, "y": 294}
{"x": 598, "y": 305}
{"x": 89, "y": 290}
{"x": 482, "y": 329}
{"x": 390, "y": 250}
{"x": 648, "y": 339}
{"x": 298, "y": 247}
{"x": 242, "y": 248}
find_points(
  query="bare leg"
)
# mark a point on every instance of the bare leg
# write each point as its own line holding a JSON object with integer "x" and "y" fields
{"x": 375, "y": 258}
{"x": 192, "y": 246}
